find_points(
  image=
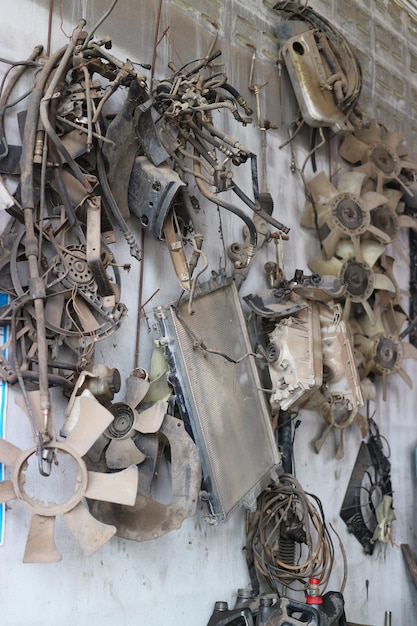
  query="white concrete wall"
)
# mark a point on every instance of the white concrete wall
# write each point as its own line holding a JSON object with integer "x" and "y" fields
{"x": 177, "y": 578}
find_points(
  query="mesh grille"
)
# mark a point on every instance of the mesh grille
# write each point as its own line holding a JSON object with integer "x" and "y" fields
{"x": 225, "y": 407}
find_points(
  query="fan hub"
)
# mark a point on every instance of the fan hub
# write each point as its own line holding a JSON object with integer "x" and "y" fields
{"x": 67, "y": 481}
{"x": 388, "y": 354}
{"x": 386, "y": 220}
{"x": 385, "y": 160}
{"x": 349, "y": 215}
{"x": 123, "y": 421}
{"x": 75, "y": 270}
{"x": 358, "y": 278}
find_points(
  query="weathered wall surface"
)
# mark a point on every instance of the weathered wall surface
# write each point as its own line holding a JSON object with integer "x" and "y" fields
{"x": 177, "y": 578}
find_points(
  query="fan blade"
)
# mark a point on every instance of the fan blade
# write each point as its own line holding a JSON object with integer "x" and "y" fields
{"x": 93, "y": 420}
{"x": 321, "y": 265}
{"x": 119, "y": 487}
{"x": 9, "y": 453}
{"x": 392, "y": 197}
{"x": 369, "y": 135}
{"x": 123, "y": 453}
{"x": 372, "y": 200}
{"x": 159, "y": 388}
{"x": 367, "y": 168}
{"x": 362, "y": 423}
{"x": 357, "y": 247}
{"x": 371, "y": 251}
{"x": 322, "y": 189}
{"x": 89, "y": 532}
{"x": 346, "y": 309}
{"x": 35, "y": 406}
{"x": 351, "y": 182}
{"x": 379, "y": 234}
{"x": 369, "y": 312}
{"x": 392, "y": 140}
{"x": 308, "y": 217}
{"x": 136, "y": 390}
{"x": 150, "y": 420}
{"x": 406, "y": 378}
{"x": 87, "y": 320}
{"x": 408, "y": 165}
{"x": 331, "y": 242}
{"x": 353, "y": 151}
{"x": 409, "y": 351}
{"x": 40, "y": 545}
{"x": 54, "y": 308}
{"x": 97, "y": 449}
{"x": 7, "y": 491}
{"x": 382, "y": 281}
{"x": 406, "y": 221}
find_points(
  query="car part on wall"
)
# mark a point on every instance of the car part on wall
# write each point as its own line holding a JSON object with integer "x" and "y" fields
{"x": 212, "y": 368}
{"x": 378, "y": 153}
{"x": 223, "y": 616}
{"x": 64, "y": 459}
{"x": 322, "y": 66}
{"x": 369, "y": 483}
{"x": 342, "y": 212}
{"x": 361, "y": 278}
{"x": 150, "y": 518}
{"x": 294, "y": 355}
{"x": 289, "y": 537}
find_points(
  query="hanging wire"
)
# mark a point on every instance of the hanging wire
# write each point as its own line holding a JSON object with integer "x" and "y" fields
{"x": 287, "y": 513}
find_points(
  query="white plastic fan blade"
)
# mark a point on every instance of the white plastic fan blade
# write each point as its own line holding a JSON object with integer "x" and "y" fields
{"x": 35, "y": 405}
{"x": 345, "y": 250}
{"x": 9, "y": 453}
{"x": 367, "y": 168}
{"x": 372, "y": 200}
{"x": 40, "y": 544}
{"x": 136, "y": 390}
{"x": 346, "y": 309}
{"x": 371, "y": 251}
{"x": 122, "y": 453}
{"x": 382, "y": 281}
{"x": 352, "y": 150}
{"x": 406, "y": 378}
{"x": 331, "y": 242}
{"x": 392, "y": 140}
{"x": 362, "y": 423}
{"x": 89, "y": 532}
{"x": 351, "y": 182}
{"x": 7, "y": 491}
{"x": 150, "y": 420}
{"x": 392, "y": 197}
{"x": 308, "y": 218}
{"x": 119, "y": 487}
{"x": 409, "y": 351}
{"x": 321, "y": 265}
{"x": 92, "y": 421}
{"x": 322, "y": 190}
{"x": 406, "y": 221}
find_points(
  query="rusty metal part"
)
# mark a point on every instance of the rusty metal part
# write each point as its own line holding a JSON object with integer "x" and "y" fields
{"x": 148, "y": 518}
{"x": 322, "y": 66}
{"x": 91, "y": 534}
{"x": 152, "y": 191}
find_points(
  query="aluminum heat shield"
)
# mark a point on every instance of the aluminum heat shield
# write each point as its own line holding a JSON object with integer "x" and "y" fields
{"x": 218, "y": 389}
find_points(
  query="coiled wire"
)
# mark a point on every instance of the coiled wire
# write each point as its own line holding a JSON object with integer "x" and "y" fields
{"x": 270, "y": 542}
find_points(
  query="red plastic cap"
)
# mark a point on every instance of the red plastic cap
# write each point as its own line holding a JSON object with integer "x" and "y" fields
{"x": 314, "y": 600}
